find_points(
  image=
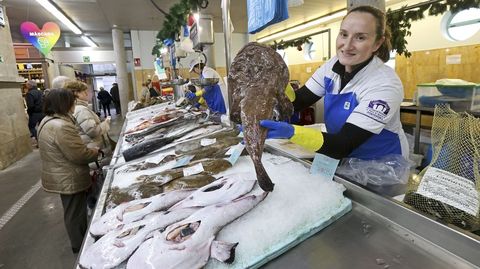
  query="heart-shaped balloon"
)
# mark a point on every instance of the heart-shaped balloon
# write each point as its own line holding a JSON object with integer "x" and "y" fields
{"x": 44, "y": 39}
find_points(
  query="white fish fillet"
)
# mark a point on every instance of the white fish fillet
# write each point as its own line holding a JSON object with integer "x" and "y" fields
{"x": 117, "y": 245}
{"x": 219, "y": 191}
{"x": 135, "y": 210}
{"x": 189, "y": 243}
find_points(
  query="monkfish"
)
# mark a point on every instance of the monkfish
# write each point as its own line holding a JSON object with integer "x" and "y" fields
{"x": 257, "y": 78}
{"x": 135, "y": 210}
{"x": 190, "y": 243}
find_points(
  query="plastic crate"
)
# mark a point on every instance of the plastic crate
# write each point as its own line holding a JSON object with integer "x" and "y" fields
{"x": 459, "y": 97}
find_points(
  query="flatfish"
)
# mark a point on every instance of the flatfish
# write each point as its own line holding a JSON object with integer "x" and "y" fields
{"x": 257, "y": 78}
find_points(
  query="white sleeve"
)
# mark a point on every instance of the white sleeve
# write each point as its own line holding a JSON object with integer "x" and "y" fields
{"x": 377, "y": 106}
{"x": 316, "y": 82}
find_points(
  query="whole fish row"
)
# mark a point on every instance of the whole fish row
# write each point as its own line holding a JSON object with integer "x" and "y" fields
{"x": 190, "y": 225}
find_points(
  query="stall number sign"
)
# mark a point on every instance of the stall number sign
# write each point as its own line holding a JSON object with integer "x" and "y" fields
{"x": 86, "y": 59}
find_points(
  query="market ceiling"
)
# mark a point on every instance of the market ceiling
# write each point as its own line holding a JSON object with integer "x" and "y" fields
{"x": 97, "y": 17}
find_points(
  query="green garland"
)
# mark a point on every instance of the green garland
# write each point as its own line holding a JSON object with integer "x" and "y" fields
{"x": 400, "y": 20}
{"x": 291, "y": 43}
{"x": 174, "y": 20}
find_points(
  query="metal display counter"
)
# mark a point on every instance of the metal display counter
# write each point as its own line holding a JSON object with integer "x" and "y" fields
{"x": 378, "y": 233}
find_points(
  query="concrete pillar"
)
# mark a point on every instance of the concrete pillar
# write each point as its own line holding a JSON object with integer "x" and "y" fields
{"x": 14, "y": 134}
{"x": 121, "y": 65}
{"x": 209, "y": 51}
{"x": 380, "y": 4}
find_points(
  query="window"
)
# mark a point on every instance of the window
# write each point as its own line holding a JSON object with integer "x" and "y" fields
{"x": 461, "y": 25}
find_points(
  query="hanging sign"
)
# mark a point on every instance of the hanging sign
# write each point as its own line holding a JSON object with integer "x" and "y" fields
{"x": 43, "y": 39}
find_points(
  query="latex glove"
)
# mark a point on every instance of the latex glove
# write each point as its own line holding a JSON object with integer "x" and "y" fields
{"x": 290, "y": 92}
{"x": 278, "y": 129}
{"x": 199, "y": 92}
{"x": 190, "y": 95}
{"x": 308, "y": 138}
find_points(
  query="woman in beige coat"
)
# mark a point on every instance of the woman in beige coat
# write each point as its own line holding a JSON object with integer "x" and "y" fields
{"x": 65, "y": 161}
{"x": 93, "y": 132}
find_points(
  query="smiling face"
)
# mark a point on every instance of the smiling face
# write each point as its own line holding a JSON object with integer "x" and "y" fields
{"x": 357, "y": 40}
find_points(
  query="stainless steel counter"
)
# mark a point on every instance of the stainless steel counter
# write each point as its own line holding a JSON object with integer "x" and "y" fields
{"x": 367, "y": 238}
{"x": 378, "y": 233}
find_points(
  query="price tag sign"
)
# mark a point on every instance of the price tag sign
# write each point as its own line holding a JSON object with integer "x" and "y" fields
{"x": 156, "y": 159}
{"x": 208, "y": 141}
{"x": 324, "y": 166}
{"x": 193, "y": 170}
{"x": 237, "y": 151}
{"x": 183, "y": 161}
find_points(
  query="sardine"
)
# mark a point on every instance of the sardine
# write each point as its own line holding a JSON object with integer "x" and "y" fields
{"x": 258, "y": 77}
{"x": 135, "y": 210}
{"x": 190, "y": 243}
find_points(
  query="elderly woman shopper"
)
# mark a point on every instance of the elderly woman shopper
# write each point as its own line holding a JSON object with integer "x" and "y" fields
{"x": 65, "y": 161}
{"x": 92, "y": 131}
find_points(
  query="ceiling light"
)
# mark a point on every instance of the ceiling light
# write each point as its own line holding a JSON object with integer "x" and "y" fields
{"x": 303, "y": 26}
{"x": 89, "y": 41}
{"x": 59, "y": 15}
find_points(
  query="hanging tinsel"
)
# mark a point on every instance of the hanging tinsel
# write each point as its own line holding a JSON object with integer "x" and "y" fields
{"x": 290, "y": 43}
{"x": 400, "y": 20}
{"x": 174, "y": 20}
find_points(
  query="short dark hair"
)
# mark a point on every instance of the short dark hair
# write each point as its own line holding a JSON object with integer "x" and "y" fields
{"x": 58, "y": 101}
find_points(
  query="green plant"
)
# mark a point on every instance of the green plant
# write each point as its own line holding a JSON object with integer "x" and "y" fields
{"x": 174, "y": 20}
{"x": 400, "y": 20}
{"x": 291, "y": 43}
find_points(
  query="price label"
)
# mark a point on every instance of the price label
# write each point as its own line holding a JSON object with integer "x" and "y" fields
{"x": 324, "y": 165}
{"x": 237, "y": 151}
{"x": 193, "y": 170}
{"x": 156, "y": 159}
{"x": 207, "y": 141}
{"x": 183, "y": 161}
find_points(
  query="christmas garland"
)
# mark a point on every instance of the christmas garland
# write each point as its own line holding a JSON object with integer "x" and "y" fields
{"x": 291, "y": 43}
{"x": 174, "y": 20}
{"x": 400, "y": 20}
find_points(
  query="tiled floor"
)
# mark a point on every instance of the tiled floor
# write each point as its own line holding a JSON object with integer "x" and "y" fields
{"x": 34, "y": 236}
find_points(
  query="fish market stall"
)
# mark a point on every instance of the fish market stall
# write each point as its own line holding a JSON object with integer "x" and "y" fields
{"x": 306, "y": 222}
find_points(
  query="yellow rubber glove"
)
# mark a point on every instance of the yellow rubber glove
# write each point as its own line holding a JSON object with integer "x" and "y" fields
{"x": 199, "y": 92}
{"x": 308, "y": 138}
{"x": 290, "y": 92}
{"x": 201, "y": 101}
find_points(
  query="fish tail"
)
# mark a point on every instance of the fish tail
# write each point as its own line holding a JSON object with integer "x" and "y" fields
{"x": 263, "y": 179}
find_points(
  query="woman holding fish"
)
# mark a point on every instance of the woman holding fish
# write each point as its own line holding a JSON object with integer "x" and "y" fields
{"x": 212, "y": 94}
{"x": 362, "y": 95}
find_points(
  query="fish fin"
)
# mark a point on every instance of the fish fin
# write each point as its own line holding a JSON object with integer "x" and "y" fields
{"x": 263, "y": 179}
{"x": 223, "y": 251}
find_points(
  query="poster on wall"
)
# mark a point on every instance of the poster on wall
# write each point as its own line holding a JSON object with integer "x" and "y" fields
{"x": 2, "y": 17}
{"x": 43, "y": 39}
{"x": 159, "y": 70}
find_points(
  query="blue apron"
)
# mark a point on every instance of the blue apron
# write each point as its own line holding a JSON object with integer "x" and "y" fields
{"x": 213, "y": 97}
{"x": 338, "y": 108}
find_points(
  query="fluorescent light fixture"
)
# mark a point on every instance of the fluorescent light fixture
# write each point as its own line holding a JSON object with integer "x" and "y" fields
{"x": 89, "y": 41}
{"x": 59, "y": 15}
{"x": 303, "y": 26}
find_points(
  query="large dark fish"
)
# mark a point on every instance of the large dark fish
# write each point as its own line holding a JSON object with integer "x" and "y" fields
{"x": 257, "y": 78}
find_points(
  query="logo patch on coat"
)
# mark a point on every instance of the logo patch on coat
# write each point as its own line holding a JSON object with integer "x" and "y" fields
{"x": 378, "y": 109}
